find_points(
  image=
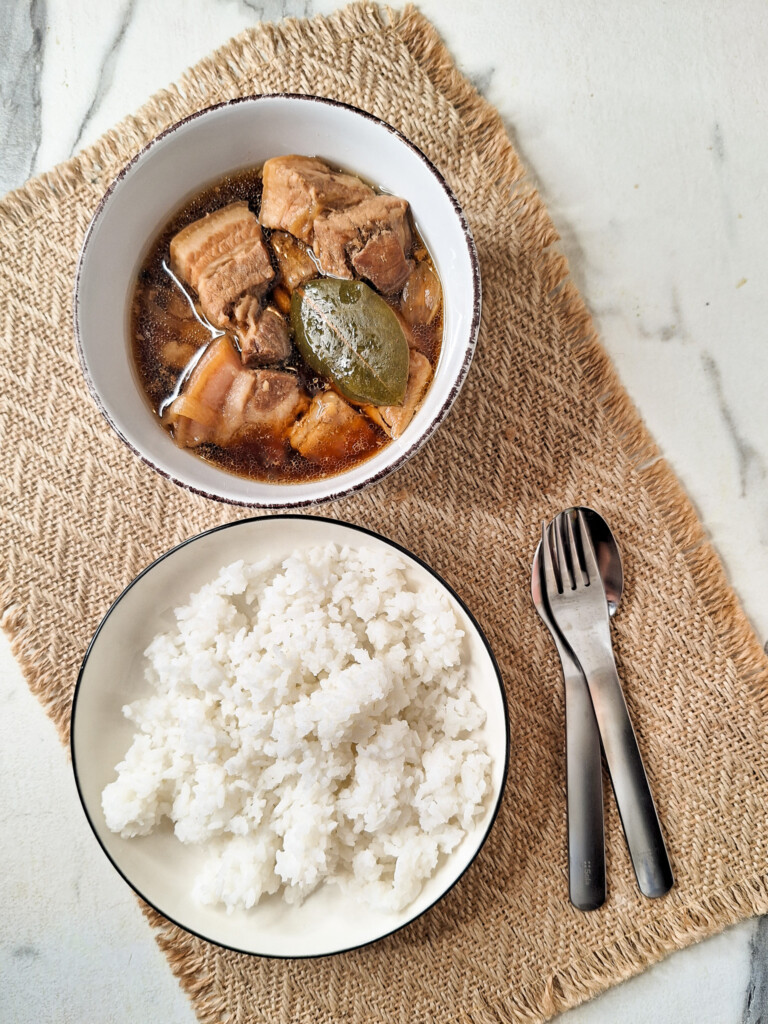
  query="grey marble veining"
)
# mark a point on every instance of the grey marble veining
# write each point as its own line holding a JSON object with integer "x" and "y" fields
{"x": 106, "y": 71}
{"x": 22, "y": 33}
{"x": 482, "y": 80}
{"x": 748, "y": 458}
{"x": 255, "y": 10}
{"x": 645, "y": 131}
{"x": 756, "y": 1003}
{"x": 273, "y": 10}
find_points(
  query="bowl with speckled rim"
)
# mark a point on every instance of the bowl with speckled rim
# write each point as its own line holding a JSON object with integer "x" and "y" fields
{"x": 159, "y": 867}
{"x": 182, "y": 161}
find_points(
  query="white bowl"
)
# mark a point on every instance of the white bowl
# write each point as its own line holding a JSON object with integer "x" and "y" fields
{"x": 183, "y": 160}
{"x": 160, "y": 868}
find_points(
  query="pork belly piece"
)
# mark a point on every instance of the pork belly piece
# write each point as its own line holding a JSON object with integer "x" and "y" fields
{"x": 210, "y": 237}
{"x": 263, "y": 334}
{"x": 274, "y": 403}
{"x": 382, "y": 261}
{"x": 372, "y": 237}
{"x": 244, "y": 272}
{"x": 294, "y": 264}
{"x": 330, "y": 429}
{"x": 298, "y": 188}
{"x": 223, "y": 256}
{"x": 395, "y": 418}
{"x": 222, "y": 402}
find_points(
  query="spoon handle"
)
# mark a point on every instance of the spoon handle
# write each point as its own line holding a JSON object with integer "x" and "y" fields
{"x": 586, "y": 832}
{"x": 625, "y": 766}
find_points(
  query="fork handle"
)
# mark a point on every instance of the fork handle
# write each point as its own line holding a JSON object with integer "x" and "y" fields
{"x": 630, "y": 783}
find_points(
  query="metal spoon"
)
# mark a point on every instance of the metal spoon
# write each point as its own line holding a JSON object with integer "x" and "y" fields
{"x": 584, "y": 779}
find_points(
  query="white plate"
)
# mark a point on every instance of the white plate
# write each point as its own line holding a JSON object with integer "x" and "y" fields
{"x": 159, "y": 867}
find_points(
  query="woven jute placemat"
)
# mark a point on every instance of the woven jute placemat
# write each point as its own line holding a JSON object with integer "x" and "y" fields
{"x": 541, "y": 423}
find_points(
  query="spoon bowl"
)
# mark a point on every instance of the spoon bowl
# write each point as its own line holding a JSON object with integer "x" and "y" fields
{"x": 608, "y": 560}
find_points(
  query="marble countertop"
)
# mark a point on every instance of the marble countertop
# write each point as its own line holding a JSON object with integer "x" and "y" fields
{"x": 646, "y": 128}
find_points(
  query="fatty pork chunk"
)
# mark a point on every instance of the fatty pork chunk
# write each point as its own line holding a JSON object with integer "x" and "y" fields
{"x": 297, "y": 189}
{"x": 263, "y": 334}
{"x": 350, "y": 228}
{"x": 374, "y": 236}
{"x": 222, "y": 402}
{"x": 223, "y": 256}
{"x": 330, "y": 429}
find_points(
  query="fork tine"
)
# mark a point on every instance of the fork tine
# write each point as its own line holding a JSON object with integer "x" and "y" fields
{"x": 551, "y": 582}
{"x": 590, "y": 559}
{"x": 574, "y": 551}
{"x": 566, "y": 575}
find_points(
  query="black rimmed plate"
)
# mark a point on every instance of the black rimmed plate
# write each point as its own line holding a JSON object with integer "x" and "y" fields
{"x": 159, "y": 867}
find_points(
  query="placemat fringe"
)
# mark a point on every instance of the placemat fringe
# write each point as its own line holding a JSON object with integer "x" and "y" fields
{"x": 542, "y": 420}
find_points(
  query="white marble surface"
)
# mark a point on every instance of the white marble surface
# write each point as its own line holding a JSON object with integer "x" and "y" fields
{"x": 646, "y": 128}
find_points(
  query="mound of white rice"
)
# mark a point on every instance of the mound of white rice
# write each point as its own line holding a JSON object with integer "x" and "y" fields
{"x": 309, "y": 721}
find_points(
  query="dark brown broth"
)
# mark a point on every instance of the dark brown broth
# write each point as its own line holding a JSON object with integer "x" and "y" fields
{"x": 162, "y": 314}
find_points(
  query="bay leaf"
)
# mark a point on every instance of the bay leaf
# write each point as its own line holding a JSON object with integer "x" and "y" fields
{"x": 347, "y": 332}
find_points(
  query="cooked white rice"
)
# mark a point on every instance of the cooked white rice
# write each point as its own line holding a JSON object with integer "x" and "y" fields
{"x": 309, "y": 721}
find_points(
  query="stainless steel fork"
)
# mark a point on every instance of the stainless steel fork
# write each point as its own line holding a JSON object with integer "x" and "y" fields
{"x": 577, "y": 603}
{"x": 583, "y": 769}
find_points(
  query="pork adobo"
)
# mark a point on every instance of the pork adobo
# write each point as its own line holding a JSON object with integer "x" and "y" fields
{"x": 287, "y": 322}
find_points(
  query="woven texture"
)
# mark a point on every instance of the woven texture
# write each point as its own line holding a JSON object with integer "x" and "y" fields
{"x": 541, "y": 423}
